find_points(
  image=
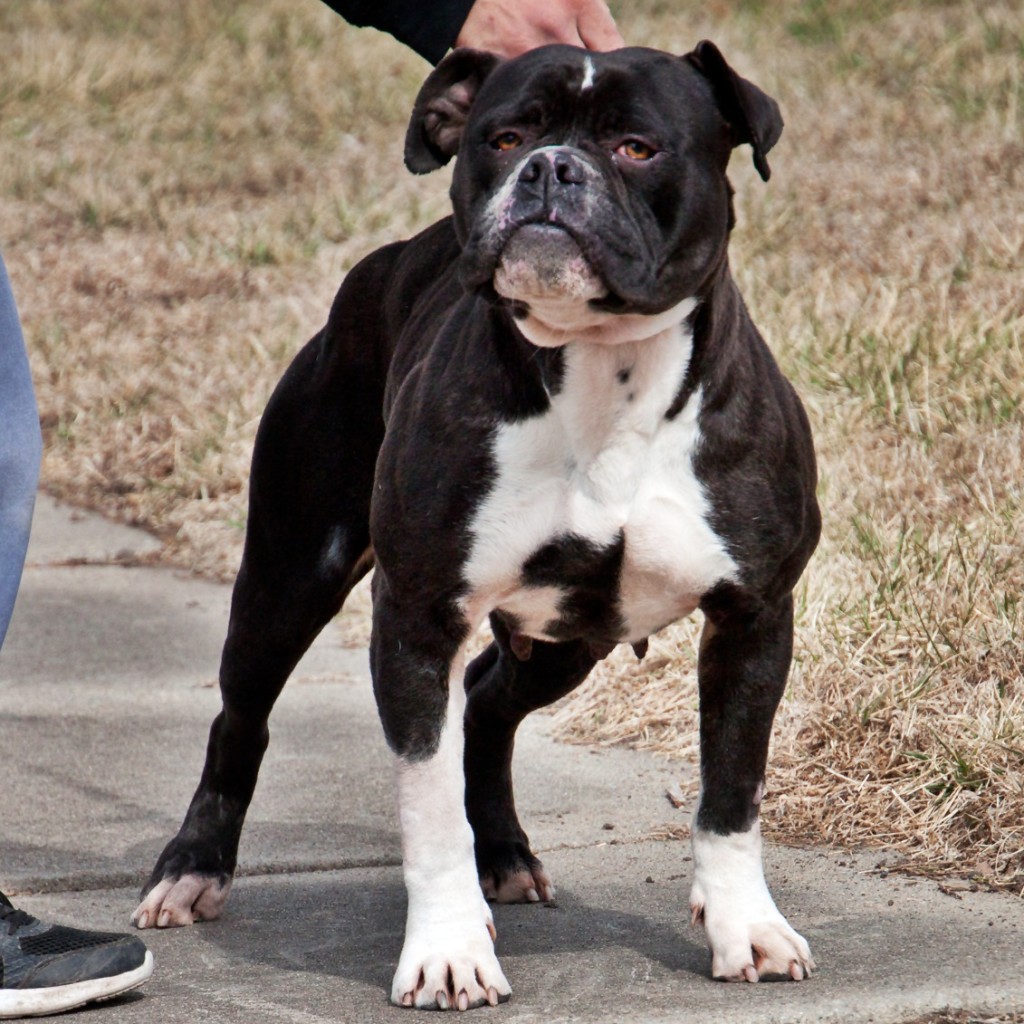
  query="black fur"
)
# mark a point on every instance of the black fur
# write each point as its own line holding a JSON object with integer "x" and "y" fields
{"x": 376, "y": 447}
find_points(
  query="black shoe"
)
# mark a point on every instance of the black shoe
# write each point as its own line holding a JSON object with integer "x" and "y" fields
{"x": 47, "y": 968}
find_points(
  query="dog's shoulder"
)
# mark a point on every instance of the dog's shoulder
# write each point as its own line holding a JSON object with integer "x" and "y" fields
{"x": 756, "y": 458}
{"x": 387, "y": 284}
{"x": 381, "y": 294}
{"x": 424, "y": 275}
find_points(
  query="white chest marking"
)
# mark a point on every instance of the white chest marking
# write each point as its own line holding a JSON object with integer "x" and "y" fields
{"x": 600, "y": 463}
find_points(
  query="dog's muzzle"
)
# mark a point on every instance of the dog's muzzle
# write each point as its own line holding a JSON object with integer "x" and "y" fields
{"x": 543, "y": 261}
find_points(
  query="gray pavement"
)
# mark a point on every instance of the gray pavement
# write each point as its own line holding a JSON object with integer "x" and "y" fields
{"x": 107, "y": 688}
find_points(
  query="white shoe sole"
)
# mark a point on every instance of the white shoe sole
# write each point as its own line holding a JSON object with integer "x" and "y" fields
{"x": 38, "y": 1002}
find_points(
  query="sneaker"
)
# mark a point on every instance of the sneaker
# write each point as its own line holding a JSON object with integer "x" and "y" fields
{"x": 47, "y": 968}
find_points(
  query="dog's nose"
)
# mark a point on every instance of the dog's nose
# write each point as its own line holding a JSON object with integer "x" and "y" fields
{"x": 556, "y": 166}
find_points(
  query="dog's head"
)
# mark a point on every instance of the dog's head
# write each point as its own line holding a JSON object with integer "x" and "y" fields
{"x": 590, "y": 185}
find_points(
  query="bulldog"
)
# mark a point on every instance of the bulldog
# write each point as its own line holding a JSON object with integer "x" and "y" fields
{"x": 552, "y": 411}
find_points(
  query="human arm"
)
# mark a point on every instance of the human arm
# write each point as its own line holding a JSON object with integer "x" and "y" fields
{"x": 429, "y": 28}
{"x": 505, "y": 27}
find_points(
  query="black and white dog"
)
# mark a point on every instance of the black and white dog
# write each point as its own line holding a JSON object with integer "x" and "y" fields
{"x": 553, "y": 410}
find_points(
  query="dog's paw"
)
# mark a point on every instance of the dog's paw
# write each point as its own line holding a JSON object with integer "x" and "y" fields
{"x": 510, "y": 873}
{"x": 753, "y": 945}
{"x": 174, "y": 902}
{"x": 450, "y": 975}
{"x": 749, "y": 938}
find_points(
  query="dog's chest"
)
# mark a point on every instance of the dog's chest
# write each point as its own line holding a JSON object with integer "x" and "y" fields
{"x": 596, "y": 525}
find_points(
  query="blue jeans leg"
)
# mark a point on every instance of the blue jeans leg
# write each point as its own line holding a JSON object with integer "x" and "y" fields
{"x": 21, "y": 448}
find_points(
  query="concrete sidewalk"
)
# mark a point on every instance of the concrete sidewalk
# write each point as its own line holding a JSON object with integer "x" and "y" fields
{"x": 107, "y": 689}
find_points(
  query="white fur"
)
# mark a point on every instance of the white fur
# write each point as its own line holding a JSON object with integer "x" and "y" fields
{"x": 602, "y": 459}
{"x": 495, "y": 215}
{"x": 588, "y": 75}
{"x": 333, "y": 554}
{"x": 175, "y": 902}
{"x": 448, "y": 924}
{"x": 748, "y": 936}
{"x": 554, "y": 322}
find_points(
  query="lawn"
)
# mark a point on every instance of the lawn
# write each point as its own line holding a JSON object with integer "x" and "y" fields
{"x": 183, "y": 186}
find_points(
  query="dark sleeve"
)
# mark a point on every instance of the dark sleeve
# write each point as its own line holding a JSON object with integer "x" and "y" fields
{"x": 430, "y": 27}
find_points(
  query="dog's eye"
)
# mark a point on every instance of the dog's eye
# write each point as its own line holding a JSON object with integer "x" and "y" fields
{"x": 635, "y": 149}
{"x": 506, "y": 141}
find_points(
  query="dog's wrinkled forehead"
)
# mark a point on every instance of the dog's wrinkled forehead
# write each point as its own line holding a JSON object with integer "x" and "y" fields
{"x": 562, "y": 88}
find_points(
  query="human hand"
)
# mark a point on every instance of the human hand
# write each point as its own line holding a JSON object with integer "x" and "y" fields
{"x": 511, "y": 27}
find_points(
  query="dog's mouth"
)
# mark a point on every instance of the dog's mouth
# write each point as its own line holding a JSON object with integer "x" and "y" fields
{"x": 543, "y": 261}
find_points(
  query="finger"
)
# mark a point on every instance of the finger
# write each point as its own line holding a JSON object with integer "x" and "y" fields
{"x": 597, "y": 27}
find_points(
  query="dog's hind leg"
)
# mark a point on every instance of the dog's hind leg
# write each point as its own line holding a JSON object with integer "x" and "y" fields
{"x": 503, "y": 688}
{"x": 307, "y": 544}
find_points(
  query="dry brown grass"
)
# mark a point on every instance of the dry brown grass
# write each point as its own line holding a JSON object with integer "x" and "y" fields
{"x": 183, "y": 187}
{"x": 884, "y": 265}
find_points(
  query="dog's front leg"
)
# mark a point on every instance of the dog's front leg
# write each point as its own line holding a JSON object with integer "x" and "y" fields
{"x": 743, "y": 665}
{"x": 448, "y": 959}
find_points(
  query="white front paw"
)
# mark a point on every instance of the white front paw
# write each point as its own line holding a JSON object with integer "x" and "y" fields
{"x": 750, "y": 943}
{"x": 439, "y": 970}
{"x": 748, "y": 936}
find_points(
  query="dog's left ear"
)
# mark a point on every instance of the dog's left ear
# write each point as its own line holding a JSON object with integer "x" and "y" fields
{"x": 442, "y": 108}
{"x": 752, "y": 114}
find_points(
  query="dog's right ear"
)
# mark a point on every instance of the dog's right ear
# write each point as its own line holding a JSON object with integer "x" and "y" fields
{"x": 442, "y": 108}
{"x": 752, "y": 114}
